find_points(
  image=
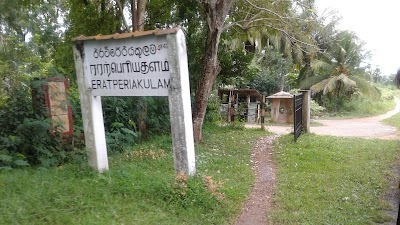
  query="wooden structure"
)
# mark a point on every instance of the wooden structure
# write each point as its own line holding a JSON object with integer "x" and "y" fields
{"x": 242, "y": 104}
{"x": 50, "y": 99}
{"x": 281, "y": 107}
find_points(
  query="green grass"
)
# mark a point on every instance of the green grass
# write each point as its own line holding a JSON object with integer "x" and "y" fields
{"x": 362, "y": 107}
{"x": 331, "y": 180}
{"x": 139, "y": 188}
{"x": 393, "y": 121}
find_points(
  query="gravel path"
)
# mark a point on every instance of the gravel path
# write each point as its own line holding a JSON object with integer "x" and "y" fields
{"x": 259, "y": 202}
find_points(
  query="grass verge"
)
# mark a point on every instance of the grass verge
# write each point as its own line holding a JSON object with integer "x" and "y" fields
{"x": 140, "y": 188}
{"x": 362, "y": 107}
{"x": 393, "y": 121}
{"x": 331, "y": 180}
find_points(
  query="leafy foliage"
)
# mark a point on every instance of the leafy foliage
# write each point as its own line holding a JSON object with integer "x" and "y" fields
{"x": 316, "y": 110}
{"x": 25, "y": 135}
{"x": 273, "y": 68}
{"x": 336, "y": 84}
{"x": 235, "y": 65}
{"x": 120, "y": 137}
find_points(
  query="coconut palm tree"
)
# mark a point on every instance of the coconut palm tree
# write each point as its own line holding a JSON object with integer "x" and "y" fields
{"x": 338, "y": 68}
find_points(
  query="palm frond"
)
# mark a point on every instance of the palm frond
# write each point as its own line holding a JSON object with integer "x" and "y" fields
{"x": 319, "y": 65}
{"x": 330, "y": 85}
{"x": 320, "y": 86}
{"x": 275, "y": 40}
{"x": 367, "y": 88}
{"x": 347, "y": 83}
{"x": 310, "y": 81}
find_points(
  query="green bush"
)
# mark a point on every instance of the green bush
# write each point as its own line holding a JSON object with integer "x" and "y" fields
{"x": 149, "y": 115}
{"x": 120, "y": 137}
{"x": 212, "y": 114}
{"x": 316, "y": 110}
{"x": 356, "y": 106}
{"x": 25, "y": 137}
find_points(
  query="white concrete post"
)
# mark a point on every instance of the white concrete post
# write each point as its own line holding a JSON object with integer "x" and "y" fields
{"x": 92, "y": 116}
{"x": 180, "y": 105}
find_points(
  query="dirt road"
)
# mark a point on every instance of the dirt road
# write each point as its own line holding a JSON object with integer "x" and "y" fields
{"x": 369, "y": 127}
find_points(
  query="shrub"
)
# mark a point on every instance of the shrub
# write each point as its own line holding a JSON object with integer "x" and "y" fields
{"x": 25, "y": 136}
{"x": 120, "y": 137}
{"x": 212, "y": 114}
{"x": 316, "y": 110}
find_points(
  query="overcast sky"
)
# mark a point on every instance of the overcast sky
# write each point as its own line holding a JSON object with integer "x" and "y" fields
{"x": 377, "y": 23}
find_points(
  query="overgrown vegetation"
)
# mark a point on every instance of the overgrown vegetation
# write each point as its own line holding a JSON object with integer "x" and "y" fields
{"x": 25, "y": 137}
{"x": 140, "y": 187}
{"x": 356, "y": 107}
{"x": 333, "y": 180}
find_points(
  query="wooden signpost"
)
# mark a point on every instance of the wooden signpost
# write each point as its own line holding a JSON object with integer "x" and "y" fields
{"x": 150, "y": 63}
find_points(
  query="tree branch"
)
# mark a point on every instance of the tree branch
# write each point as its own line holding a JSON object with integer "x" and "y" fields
{"x": 291, "y": 38}
{"x": 269, "y": 11}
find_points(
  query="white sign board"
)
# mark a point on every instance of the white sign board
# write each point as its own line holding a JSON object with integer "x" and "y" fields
{"x": 152, "y": 63}
{"x": 124, "y": 67}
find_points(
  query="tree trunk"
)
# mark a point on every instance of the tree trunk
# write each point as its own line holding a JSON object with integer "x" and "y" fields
{"x": 138, "y": 8}
{"x": 216, "y": 12}
{"x": 135, "y": 26}
{"x": 141, "y": 10}
{"x": 307, "y": 61}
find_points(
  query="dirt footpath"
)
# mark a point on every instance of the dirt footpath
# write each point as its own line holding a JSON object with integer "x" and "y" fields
{"x": 259, "y": 202}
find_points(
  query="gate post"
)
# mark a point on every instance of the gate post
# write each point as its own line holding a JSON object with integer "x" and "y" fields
{"x": 262, "y": 104}
{"x": 306, "y": 110}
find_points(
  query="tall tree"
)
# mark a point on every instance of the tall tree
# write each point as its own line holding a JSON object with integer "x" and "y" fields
{"x": 216, "y": 13}
{"x": 29, "y": 34}
{"x": 248, "y": 16}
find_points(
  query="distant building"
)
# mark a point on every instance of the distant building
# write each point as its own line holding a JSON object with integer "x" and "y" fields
{"x": 281, "y": 107}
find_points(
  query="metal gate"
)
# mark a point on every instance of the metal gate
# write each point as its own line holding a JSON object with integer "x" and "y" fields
{"x": 298, "y": 115}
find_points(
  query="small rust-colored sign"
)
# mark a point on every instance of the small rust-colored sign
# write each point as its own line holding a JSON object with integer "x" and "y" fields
{"x": 58, "y": 105}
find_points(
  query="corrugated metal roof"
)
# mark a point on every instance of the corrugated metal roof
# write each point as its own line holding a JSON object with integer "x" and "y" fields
{"x": 281, "y": 94}
{"x": 126, "y": 35}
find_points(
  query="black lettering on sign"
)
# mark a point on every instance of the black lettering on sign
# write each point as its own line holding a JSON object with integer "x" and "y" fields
{"x": 140, "y": 83}
{"x": 128, "y": 67}
{"x": 122, "y": 51}
{"x": 166, "y": 84}
{"x": 126, "y": 84}
{"x": 147, "y": 86}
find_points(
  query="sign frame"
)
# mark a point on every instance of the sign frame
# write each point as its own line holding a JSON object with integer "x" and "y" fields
{"x": 178, "y": 97}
